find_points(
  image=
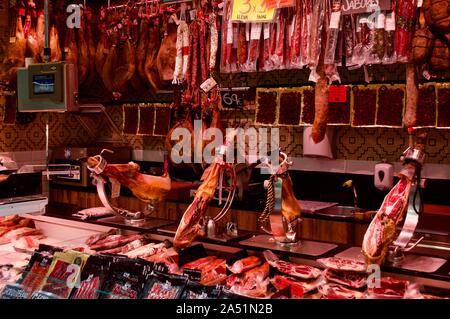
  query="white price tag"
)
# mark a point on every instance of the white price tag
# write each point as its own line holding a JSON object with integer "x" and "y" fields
{"x": 381, "y": 20}
{"x": 390, "y": 21}
{"x": 229, "y": 33}
{"x": 115, "y": 188}
{"x": 335, "y": 19}
{"x": 419, "y": 3}
{"x": 193, "y": 14}
{"x": 256, "y": 31}
{"x": 247, "y": 31}
{"x": 208, "y": 85}
{"x": 266, "y": 31}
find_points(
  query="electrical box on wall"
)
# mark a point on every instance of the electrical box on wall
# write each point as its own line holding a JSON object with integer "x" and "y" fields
{"x": 48, "y": 87}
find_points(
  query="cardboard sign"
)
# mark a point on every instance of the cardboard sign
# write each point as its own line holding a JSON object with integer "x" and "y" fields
{"x": 251, "y": 11}
{"x": 364, "y": 6}
{"x": 337, "y": 94}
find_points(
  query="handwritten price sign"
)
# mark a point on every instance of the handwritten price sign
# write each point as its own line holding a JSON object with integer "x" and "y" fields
{"x": 252, "y": 11}
{"x": 233, "y": 99}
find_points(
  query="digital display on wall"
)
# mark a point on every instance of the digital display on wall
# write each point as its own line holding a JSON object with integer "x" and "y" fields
{"x": 43, "y": 83}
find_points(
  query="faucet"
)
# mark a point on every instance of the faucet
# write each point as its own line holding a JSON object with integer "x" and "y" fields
{"x": 350, "y": 183}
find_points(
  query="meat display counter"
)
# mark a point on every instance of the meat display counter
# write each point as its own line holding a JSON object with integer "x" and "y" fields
{"x": 235, "y": 269}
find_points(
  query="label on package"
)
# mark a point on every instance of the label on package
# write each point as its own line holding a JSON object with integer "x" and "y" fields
{"x": 193, "y": 274}
{"x": 13, "y": 291}
{"x": 337, "y": 94}
{"x": 208, "y": 85}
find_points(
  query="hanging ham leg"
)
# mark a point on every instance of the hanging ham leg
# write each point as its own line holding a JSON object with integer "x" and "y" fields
{"x": 56, "y": 54}
{"x": 40, "y": 35}
{"x": 165, "y": 61}
{"x": 91, "y": 48}
{"x": 125, "y": 67}
{"x": 83, "y": 53}
{"x": 190, "y": 226}
{"x": 32, "y": 47}
{"x": 141, "y": 50}
{"x": 15, "y": 56}
{"x": 145, "y": 187}
{"x": 70, "y": 47}
{"x": 108, "y": 66}
{"x": 150, "y": 69}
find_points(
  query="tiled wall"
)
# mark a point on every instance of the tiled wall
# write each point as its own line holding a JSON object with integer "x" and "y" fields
{"x": 360, "y": 144}
{"x": 64, "y": 130}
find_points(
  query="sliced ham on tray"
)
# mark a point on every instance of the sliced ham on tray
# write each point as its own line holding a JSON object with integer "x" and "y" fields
{"x": 114, "y": 241}
{"x": 343, "y": 264}
{"x": 389, "y": 288}
{"x": 292, "y": 269}
{"x": 351, "y": 279}
{"x": 335, "y": 291}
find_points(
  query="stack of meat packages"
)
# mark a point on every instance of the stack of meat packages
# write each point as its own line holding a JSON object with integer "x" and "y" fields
{"x": 345, "y": 279}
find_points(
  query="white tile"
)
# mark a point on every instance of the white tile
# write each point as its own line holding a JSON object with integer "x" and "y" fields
{"x": 137, "y": 155}
{"x": 153, "y": 156}
{"x": 22, "y": 156}
{"x": 435, "y": 171}
{"x": 38, "y": 156}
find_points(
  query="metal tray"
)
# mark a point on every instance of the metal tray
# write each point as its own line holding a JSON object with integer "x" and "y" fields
{"x": 305, "y": 247}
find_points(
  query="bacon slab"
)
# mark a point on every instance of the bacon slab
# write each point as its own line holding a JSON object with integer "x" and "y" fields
{"x": 343, "y": 264}
{"x": 389, "y": 288}
{"x": 296, "y": 270}
{"x": 297, "y": 288}
{"x": 199, "y": 262}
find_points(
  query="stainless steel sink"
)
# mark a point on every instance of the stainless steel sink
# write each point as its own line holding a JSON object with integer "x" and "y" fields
{"x": 340, "y": 211}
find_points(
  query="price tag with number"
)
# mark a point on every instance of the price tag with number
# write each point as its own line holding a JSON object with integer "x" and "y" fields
{"x": 232, "y": 99}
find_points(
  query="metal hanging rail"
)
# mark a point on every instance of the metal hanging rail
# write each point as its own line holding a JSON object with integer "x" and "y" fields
{"x": 142, "y": 3}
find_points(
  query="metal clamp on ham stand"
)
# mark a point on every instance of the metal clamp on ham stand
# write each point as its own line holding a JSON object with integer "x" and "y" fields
{"x": 413, "y": 159}
{"x": 150, "y": 189}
